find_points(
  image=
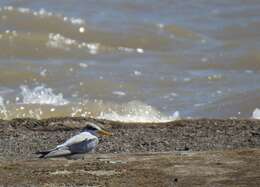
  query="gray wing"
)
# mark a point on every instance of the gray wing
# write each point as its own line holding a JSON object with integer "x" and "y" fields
{"x": 57, "y": 153}
{"x": 77, "y": 139}
{"x": 85, "y": 146}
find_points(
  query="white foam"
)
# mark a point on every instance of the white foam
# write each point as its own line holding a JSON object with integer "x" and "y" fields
{"x": 140, "y": 50}
{"x": 119, "y": 93}
{"x": 1, "y": 101}
{"x": 83, "y": 65}
{"x": 42, "y": 95}
{"x": 170, "y": 96}
{"x": 256, "y": 114}
{"x": 43, "y": 72}
{"x": 23, "y": 10}
{"x": 204, "y": 59}
{"x": 187, "y": 79}
{"x": 10, "y": 8}
{"x": 93, "y": 47}
{"x": 43, "y": 12}
{"x": 215, "y": 77}
{"x": 249, "y": 71}
{"x": 199, "y": 104}
{"x": 60, "y": 42}
{"x": 136, "y": 111}
{"x": 77, "y": 21}
{"x": 160, "y": 25}
{"x": 3, "y": 110}
{"x": 126, "y": 49}
{"x": 137, "y": 73}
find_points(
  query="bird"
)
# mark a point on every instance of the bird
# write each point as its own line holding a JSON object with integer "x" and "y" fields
{"x": 84, "y": 142}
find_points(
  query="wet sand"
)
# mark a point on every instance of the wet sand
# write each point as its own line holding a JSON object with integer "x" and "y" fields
{"x": 181, "y": 153}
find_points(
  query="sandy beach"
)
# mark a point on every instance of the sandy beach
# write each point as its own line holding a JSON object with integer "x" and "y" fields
{"x": 204, "y": 152}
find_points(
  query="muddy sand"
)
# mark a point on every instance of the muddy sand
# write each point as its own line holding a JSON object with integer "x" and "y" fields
{"x": 200, "y": 152}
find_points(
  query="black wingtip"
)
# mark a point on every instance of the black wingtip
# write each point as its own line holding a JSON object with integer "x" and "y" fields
{"x": 41, "y": 153}
{"x": 37, "y": 153}
{"x": 41, "y": 156}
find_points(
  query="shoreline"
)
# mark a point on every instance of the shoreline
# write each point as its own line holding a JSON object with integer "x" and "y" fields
{"x": 217, "y": 151}
{"x": 207, "y": 168}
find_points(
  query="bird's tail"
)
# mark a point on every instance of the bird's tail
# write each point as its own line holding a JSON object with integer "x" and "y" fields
{"x": 42, "y": 154}
{"x": 53, "y": 153}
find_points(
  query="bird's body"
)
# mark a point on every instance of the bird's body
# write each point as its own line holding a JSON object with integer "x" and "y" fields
{"x": 81, "y": 143}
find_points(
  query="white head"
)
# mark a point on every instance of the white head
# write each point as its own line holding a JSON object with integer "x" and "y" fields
{"x": 94, "y": 129}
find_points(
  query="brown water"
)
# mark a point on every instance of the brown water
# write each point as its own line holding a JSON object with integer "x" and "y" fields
{"x": 129, "y": 60}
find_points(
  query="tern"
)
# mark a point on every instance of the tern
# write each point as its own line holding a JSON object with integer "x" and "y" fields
{"x": 84, "y": 142}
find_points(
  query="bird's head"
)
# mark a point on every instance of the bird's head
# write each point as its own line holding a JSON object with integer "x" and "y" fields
{"x": 95, "y": 129}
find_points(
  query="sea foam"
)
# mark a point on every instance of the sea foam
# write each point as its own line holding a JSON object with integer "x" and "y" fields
{"x": 42, "y": 95}
{"x": 3, "y": 110}
{"x": 256, "y": 114}
{"x": 136, "y": 111}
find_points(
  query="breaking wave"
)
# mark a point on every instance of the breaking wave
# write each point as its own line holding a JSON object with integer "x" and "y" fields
{"x": 136, "y": 111}
{"x": 256, "y": 114}
{"x": 42, "y": 95}
{"x": 3, "y": 110}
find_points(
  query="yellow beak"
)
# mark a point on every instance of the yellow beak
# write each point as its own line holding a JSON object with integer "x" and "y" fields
{"x": 104, "y": 133}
